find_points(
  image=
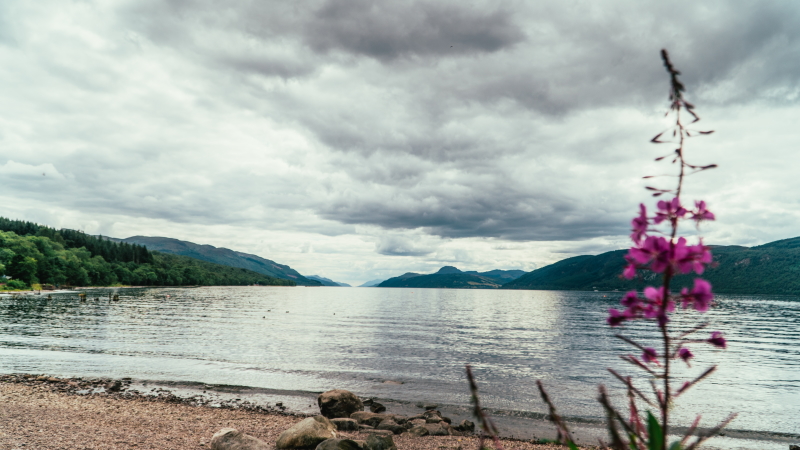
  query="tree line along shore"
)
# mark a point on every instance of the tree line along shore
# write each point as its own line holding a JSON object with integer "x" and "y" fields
{"x": 33, "y": 254}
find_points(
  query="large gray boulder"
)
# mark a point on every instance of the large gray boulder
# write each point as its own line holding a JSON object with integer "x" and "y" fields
{"x": 339, "y": 403}
{"x": 233, "y": 439}
{"x": 307, "y": 433}
{"x": 338, "y": 444}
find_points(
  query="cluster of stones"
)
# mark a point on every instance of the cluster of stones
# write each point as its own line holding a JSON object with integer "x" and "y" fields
{"x": 69, "y": 385}
{"x": 341, "y": 410}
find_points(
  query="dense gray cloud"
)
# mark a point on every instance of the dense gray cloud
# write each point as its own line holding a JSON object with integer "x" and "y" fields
{"x": 444, "y": 129}
{"x": 387, "y": 31}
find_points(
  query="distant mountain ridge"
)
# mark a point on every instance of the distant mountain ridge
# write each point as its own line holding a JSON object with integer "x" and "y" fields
{"x": 372, "y": 283}
{"x": 449, "y": 277}
{"x": 772, "y": 268}
{"x": 221, "y": 255}
{"x": 327, "y": 281}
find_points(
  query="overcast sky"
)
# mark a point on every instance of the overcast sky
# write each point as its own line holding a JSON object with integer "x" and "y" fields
{"x": 359, "y": 140}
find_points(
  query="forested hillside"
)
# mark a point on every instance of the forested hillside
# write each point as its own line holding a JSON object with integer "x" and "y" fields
{"x": 772, "y": 268}
{"x": 31, "y": 253}
{"x": 449, "y": 277}
{"x": 221, "y": 255}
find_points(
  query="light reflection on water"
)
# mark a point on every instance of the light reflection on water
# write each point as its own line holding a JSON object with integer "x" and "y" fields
{"x": 358, "y": 338}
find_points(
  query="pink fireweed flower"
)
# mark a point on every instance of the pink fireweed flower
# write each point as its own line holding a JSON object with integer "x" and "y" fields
{"x": 653, "y": 248}
{"x": 639, "y": 225}
{"x": 717, "y": 340}
{"x": 616, "y": 317}
{"x": 629, "y": 272}
{"x": 659, "y": 305}
{"x": 700, "y": 296}
{"x": 685, "y": 354}
{"x": 669, "y": 210}
{"x": 633, "y": 305}
{"x": 649, "y": 355}
{"x": 656, "y": 297}
{"x": 661, "y": 254}
{"x": 691, "y": 257}
{"x": 701, "y": 213}
{"x": 630, "y": 300}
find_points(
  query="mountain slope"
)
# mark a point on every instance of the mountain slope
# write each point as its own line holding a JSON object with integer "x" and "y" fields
{"x": 221, "y": 255}
{"x": 327, "y": 281}
{"x": 449, "y": 277}
{"x": 503, "y": 276}
{"x": 373, "y": 283}
{"x": 443, "y": 281}
{"x": 772, "y": 268}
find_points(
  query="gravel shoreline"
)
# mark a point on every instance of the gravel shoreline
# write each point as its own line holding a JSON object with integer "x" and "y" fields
{"x": 41, "y": 412}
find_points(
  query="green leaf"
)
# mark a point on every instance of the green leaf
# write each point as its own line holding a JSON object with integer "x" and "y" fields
{"x": 572, "y": 445}
{"x": 676, "y": 446}
{"x": 655, "y": 432}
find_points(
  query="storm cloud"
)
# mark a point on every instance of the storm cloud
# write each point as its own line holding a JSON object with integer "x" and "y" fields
{"x": 400, "y": 134}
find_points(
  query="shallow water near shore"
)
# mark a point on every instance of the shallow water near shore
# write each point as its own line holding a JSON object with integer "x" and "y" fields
{"x": 406, "y": 346}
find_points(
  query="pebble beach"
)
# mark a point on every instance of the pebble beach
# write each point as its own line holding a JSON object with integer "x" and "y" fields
{"x": 42, "y": 412}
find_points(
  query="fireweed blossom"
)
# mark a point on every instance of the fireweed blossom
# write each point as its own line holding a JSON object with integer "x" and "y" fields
{"x": 717, "y": 340}
{"x": 663, "y": 252}
{"x": 661, "y": 255}
{"x": 701, "y": 213}
{"x": 685, "y": 354}
{"x": 669, "y": 211}
{"x": 657, "y": 247}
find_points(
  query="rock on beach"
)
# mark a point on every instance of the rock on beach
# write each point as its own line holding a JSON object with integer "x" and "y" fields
{"x": 376, "y": 442}
{"x": 338, "y": 444}
{"x": 343, "y": 424}
{"x": 307, "y": 433}
{"x": 339, "y": 403}
{"x": 233, "y": 439}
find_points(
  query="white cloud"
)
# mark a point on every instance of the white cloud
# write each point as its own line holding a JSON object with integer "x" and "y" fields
{"x": 273, "y": 129}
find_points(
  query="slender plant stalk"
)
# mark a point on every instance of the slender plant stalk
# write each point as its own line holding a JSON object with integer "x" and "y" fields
{"x": 661, "y": 252}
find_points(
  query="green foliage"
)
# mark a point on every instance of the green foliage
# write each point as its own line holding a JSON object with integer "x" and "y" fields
{"x": 654, "y": 433}
{"x": 48, "y": 257}
{"x": 93, "y": 245}
{"x": 16, "y": 285}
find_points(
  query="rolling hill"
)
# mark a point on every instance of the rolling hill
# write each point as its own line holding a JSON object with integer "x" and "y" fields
{"x": 772, "y": 268}
{"x": 327, "y": 281}
{"x": 449, "y": 277}
{"x": 221, "y": 255}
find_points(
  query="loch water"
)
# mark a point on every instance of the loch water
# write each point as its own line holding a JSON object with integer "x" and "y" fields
{"x": 408, "y": 345}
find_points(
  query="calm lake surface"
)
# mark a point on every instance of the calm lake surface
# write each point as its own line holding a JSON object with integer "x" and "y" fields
{"x": 315, "y": 339}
